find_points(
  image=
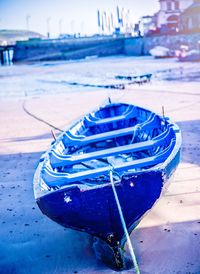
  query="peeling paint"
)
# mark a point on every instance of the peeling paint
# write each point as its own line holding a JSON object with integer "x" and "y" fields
{"x": 67, "y": 199}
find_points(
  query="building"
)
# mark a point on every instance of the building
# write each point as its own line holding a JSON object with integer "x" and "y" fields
{"x": 146, "y": 24}
{"x": 167, "y": 18}
{"x": 190, "y": 18}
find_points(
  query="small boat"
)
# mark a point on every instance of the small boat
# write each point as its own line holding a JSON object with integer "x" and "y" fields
{"x": 119, "y": 144}
{"x": 190, "y": 56}
{"x": 162, "y": 52}
{"x": 136, "y": 79}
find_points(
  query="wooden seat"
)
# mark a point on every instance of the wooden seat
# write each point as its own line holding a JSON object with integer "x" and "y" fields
{"x": 58, "y": 160}
{"x": 152, "y": 123}
{"x": 52, "y": 178}
{"x": 92, "y": 120}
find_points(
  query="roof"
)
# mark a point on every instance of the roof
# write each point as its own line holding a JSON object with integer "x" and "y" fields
{"x": 194, "y": 8}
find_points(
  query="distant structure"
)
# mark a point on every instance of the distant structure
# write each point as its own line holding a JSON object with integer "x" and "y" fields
{"x": 173, "y": 17}
{"x": 169, "y": 13}
{"x": 10, "y": 36}
{"x": 190, "y": 18}
{"x": 119, "y": 23}
{"x": 145, "y": 25}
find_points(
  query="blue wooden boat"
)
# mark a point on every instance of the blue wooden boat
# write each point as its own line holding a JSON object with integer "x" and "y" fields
{"x": 72, "y": 185}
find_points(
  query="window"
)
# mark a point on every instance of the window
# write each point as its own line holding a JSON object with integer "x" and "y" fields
{"x": 169, "y": 5}
{"x": 176, "y": 5}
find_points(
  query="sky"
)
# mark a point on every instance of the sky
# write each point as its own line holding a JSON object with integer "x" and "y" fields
{"x": 66, "y": 16}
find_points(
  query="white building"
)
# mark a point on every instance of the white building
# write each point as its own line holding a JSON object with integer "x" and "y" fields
{"x": 169, "y": 12}
{"x": 146, "y": 24}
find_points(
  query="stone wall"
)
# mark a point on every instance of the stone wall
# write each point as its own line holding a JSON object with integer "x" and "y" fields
{"x": 134, "y": 46}
{"x": 66, "y": 49}
{"x": 39, "y": 50}
{"x": 141, "y": 46}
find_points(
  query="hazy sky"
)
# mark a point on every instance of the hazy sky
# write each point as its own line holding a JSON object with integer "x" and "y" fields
{"x": 66, "y": 15}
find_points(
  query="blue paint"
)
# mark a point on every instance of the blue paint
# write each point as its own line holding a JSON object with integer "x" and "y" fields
{"x": 72, "y": 185}
{"x": 94, "y": 210}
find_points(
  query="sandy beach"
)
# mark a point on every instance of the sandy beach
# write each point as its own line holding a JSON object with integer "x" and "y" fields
{"x": 33, "y": 96}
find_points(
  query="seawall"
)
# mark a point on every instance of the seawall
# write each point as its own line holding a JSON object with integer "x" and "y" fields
{"x": 141, "y": 45}
{"x": 78, "y": 48}
{"x": 66, "y": 49}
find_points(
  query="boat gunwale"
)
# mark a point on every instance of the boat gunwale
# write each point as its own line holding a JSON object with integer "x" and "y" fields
{"x": 161, "y": 166}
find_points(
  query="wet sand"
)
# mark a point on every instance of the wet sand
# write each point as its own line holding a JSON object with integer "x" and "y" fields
{"x": 168, "y": 238}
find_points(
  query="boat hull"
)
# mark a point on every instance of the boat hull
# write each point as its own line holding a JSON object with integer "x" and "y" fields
{"x": 93, "y": 209}
{"x": 190, "y": 58}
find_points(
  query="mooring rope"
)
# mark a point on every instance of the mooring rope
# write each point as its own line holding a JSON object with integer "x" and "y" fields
{"x": 137, "y": 271}
{"x": 38, "y": 118}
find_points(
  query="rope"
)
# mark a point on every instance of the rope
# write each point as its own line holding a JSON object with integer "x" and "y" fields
{"x": 124, "y": 224}
{"x": 137, "y": 127}
{"x": 38, "y": 118}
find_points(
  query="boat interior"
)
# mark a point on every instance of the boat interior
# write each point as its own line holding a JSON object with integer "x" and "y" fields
{"x": 119, "y": 137}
